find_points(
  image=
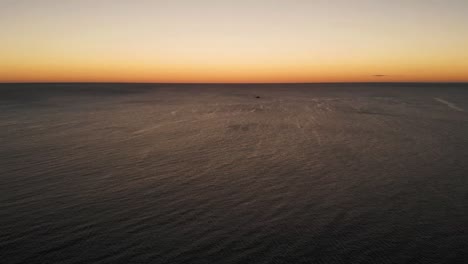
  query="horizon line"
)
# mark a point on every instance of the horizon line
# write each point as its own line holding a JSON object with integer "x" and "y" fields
{"x": 234, "y": 83}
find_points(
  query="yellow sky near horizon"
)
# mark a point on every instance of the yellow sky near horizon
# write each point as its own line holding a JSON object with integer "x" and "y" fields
{"x": 227, "y": 41}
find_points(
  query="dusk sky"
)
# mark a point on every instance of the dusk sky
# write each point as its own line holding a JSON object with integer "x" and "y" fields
{"x": 233, "y": 41}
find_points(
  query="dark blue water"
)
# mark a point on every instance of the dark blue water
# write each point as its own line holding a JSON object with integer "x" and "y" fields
{"x": 132, "y": 173}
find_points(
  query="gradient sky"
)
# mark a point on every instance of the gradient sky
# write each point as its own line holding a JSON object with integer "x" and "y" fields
{"x": 233, "y": 41}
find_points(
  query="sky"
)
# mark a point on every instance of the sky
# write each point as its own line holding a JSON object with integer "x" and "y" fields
{"x": 238, "y": 41}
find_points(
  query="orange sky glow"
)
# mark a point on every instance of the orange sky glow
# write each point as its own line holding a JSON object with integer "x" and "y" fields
{"x": 233, "y": 41}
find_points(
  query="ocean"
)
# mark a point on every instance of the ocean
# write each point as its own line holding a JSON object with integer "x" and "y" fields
{"x": 218, "y": 173}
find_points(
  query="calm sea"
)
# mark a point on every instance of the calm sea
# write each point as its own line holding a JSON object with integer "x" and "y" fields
{"x": 303, "y": 173}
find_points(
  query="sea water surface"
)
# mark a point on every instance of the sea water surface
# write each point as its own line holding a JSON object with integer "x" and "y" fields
{"x": 306, "y": 173}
